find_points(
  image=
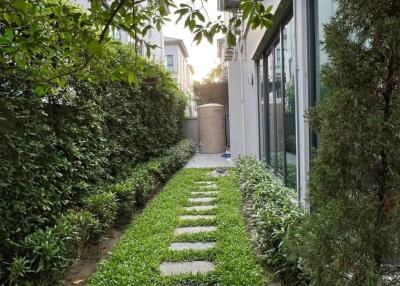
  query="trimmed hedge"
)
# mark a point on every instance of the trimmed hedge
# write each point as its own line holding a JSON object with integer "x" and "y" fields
{"x": 274, "y": 212}
{"x": 45, "y": 254}
{"x": 62, "y": 138}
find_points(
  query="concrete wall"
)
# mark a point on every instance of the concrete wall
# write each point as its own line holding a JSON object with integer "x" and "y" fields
{"x": 191, "y": 130}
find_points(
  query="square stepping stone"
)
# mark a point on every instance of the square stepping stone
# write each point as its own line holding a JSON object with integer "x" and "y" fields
{"x": 204, "y": 193}
{"x": 212, "y": 187}
{"x": 201, "y": 200}
{"x": 196, "y": 217}
{"x": 189, "y": 267}
{"x": 199, "y": 208}
{"x": 176, "y": 246}
{"x": 194, "y": 229}
{"x": 204, "y": 182}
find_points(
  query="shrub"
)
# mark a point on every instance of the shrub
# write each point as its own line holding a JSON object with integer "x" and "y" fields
{"x": 84, "y": 129}
{"x": 351, "y": 237}
{"x": 274, "y": 212}
{"x": 126, "y": 198}
{"x": 104, "y": 207}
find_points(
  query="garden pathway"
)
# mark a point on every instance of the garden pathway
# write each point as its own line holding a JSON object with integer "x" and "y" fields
{"x": 192, "y": 233}
{"x": 209, "y": 161}
{"x": 207, "y": 190}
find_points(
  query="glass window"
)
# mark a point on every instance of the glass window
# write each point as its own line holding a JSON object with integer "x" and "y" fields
{"x": 325, "y": 9}
{"x": 170, "y": 62}
{"x": 271, "y": 125}
{"x": 279, "y": 152}
{"x": 261, "y": 109}
{"x": 290, "y": 103}
{"x": 277, "y": 105}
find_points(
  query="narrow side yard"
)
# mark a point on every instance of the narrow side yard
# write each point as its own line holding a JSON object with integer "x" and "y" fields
{"x": 192, "y": 233}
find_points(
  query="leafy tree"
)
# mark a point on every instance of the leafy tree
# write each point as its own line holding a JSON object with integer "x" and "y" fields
{"x": 351, "y": 236}
{"x": 79, "y": 36}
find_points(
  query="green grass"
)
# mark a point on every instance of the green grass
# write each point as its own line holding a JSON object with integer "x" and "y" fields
{"x": 135, "y": 260}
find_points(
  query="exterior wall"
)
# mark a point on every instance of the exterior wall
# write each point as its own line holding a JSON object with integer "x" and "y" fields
{"x": 182, "y": 73}
{"x": 243, "y": 91}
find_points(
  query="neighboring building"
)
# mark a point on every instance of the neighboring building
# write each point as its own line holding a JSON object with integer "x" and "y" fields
{"x": 177, "y": 62}
{"x": 153, "y": 36}
{"x": 274, "y": 77}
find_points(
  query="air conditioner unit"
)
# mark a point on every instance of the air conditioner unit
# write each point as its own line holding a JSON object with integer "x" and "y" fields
{"x": 228, "y": 5}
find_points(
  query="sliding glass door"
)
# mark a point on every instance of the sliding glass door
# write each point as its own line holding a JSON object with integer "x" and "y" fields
{"x": 277, "y": 105}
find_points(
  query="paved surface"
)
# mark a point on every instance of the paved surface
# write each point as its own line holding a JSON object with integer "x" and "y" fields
{"x": 199, "y": 208}
{"x": 208, "y": 161}
{"x": 194, "y": 229}
{"x": 192, "y": 267}
{"x": 196, "y": 217}
{"x": 201, "y": 200}
{"x": 191, "y": 245}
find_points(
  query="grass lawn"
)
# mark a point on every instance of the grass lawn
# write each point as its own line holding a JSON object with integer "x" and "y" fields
{"x": 135, "y": 260}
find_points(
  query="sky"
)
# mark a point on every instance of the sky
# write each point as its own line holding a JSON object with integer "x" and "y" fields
{"x": 203, "y": 57}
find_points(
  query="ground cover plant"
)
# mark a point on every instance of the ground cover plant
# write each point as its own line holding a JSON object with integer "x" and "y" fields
{"x": 351, "y": 236}
{"x": 44, "y": 255}
{"x": 274, "y": 211}
{"x": 136, "y": 258}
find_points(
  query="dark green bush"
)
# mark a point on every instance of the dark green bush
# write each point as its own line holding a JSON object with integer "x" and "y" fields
{"x": 351, "y": 236}
{"x": 84, "y": 131}
{"x": 274, "y": 212}
{"x": 104, "y": 206}
{"x": 126, "y": 198}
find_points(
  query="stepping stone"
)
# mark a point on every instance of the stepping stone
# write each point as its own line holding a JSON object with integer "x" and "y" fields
{"x": 201, "y": 200}
{"x": 196, "y": 217}
{"x": 191, "y": 245}
{"x": 213, "y": 187}
{"x": 189, "y": 267}
{"x": 199, "y": 208}
{"x": 204, "y": 193}
{"x": 194, "y": 229}
{"x": 204, "y": 182}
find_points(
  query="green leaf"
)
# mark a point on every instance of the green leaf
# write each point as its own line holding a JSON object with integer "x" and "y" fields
{"x": 40, "y": 90}
{"x": 21, "y": 6}
{"x": 132, "y": 78}
{"x": 94, "y": 48}
{"x": 198, "y": 37}
{"x": 231, "y": 39}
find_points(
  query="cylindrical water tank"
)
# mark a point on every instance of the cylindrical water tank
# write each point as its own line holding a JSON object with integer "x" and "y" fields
{"x": 211, "y": 120}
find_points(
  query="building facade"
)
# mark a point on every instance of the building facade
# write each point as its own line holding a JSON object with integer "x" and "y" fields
{"x": 177, "y": 63}
{"x": 274, "y": 77}
{"x": 153, "y": 36}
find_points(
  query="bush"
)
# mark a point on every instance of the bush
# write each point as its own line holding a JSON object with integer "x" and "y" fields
{"x": 351, "y": 237}
{"x": 126, "y": 198}
{"x": 274, "y": 212}
{"x": 82, "y": 131}
{"x": 103, "y": 206}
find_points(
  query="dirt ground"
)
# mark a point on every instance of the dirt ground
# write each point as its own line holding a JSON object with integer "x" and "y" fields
{"x": 81, "y": 269}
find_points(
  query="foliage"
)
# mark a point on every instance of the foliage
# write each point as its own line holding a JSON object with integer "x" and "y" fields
{"x": 136, "y": 260}
{"x": 215, "y": 76}
{"x": 351, "y": 236}
{"x": 103, "y": 206}
{"x": 274, "y": 213}
{"x": 45, "y": 254}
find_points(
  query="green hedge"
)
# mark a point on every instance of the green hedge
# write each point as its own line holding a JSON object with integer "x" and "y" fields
{"x": 274, "y": 212}
{"x": 45, "y": 254}
{"x": 82, "y": 130}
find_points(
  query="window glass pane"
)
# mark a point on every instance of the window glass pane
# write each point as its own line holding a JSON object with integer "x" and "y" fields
{"x": 325, "y": 10}
{"x": 170, "y": 62}
{"x": 280, "y": 137}
{"x": 290, "y": 103}
{"x": 271, "y": 111}
{"x": 261, "y": 109}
